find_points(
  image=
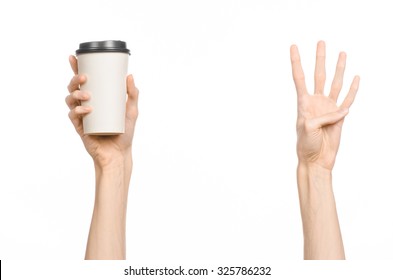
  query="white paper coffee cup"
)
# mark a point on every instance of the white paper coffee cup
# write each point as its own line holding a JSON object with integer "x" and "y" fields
{"x": 105, "y": 65}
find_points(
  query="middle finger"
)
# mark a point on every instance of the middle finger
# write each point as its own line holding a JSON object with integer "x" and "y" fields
{"x": 74, "y": 99}
{"x": 320, "y": 72}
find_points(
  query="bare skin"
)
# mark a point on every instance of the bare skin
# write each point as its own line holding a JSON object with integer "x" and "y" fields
{"x": 112, "y": 157}
{"x": 319, "y": 125}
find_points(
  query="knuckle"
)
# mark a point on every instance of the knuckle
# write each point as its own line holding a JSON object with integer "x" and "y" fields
{"x": 75, "y": 79}
{"x": 78, "y": 110}
{"x": 75, "y": 94}
{"x": 69, "y": 101}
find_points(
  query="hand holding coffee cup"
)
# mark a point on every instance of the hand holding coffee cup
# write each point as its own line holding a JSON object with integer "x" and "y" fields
{"x": 103, "y": 149}
{"x": 104, "y": 64}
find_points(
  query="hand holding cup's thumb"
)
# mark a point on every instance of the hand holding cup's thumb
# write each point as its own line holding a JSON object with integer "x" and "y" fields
{"x": 327, "y": 119}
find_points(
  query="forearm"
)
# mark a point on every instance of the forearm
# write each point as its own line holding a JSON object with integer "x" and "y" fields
{"x": 108, "y": 226}
{"x": 321, "y": 229}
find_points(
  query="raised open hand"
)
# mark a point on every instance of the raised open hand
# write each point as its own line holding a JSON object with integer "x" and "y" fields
{"x": 320, "y": 120}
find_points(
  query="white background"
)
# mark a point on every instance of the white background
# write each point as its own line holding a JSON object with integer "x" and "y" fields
{"x": 214, "y": 150}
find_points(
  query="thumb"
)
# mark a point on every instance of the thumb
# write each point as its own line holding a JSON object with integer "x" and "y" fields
{"x": 327, "y": 119}
{"x": 132, "y": 90}
{"x": 132, "y": 100}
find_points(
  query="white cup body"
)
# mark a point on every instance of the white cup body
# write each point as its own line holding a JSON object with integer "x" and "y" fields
{"x": 106, "y": 74}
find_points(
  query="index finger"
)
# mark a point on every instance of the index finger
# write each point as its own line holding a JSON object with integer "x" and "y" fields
{"x": 297, "y": 71}
{"x": 74, "y": 64}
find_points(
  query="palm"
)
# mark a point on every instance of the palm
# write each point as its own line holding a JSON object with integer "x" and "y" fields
{"x": 104, "y": 148}
{"x": 321, "y": 145}
{"x": 320, "y": 120}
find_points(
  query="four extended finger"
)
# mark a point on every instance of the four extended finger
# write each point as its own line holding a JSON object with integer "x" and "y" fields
{"x": 337, "y": 83}
{"x": 297, "y": 71}
{"x": 320, "y": 72}
{"x": 352, "y": 93}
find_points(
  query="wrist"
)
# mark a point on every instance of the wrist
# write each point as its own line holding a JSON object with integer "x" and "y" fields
{"x": 122, "y": 162}
{"x": 314, "y": 181}
{"x": 314, "y": 185}
{"x": 114, "y": 174}
{"x": 305, "y": 168}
